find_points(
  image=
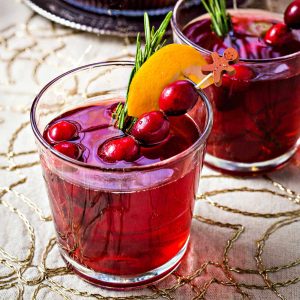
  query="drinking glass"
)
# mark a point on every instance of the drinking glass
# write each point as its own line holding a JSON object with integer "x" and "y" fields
{"x": 117, "y": 227}
{"x": 256, "y": 121}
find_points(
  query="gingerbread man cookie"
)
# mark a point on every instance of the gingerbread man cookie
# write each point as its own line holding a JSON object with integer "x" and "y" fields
{"x": 221, "y": 65}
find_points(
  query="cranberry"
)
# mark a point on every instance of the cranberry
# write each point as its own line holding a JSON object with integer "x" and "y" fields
{"x": 278, "y": 35}
{"x": 243, "y": 73}
{"x": 62, "y": 131}
{"x": 117, "y": 149}
{"x": 292, "y": 15}
{"x": 240, "y": 80}
{"x": 69, "y": 149}
{"x": 151, "y": 128}
{"x": 178, "y": 97}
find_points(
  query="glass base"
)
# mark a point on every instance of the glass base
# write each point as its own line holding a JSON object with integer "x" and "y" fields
{"x": 111, "y": 281}
{"x": 238, "y": 168}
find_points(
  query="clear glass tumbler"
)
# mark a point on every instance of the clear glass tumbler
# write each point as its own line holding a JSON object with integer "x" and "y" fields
{"x": 256, "y": 121}
{"x": 125, "y": 227}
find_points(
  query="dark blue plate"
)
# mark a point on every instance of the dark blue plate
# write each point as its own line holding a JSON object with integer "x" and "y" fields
{"x": 72, "y": 16}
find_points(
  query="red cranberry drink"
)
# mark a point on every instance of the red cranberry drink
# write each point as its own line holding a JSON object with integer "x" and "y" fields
{"x": 122, "y": 233}
{"x": 122, "y": 168}
{"x": 122, "y": 209}
{"x": 256, "y": 126}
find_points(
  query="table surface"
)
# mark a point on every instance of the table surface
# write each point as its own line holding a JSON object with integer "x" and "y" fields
{"x": 245, "y": 233}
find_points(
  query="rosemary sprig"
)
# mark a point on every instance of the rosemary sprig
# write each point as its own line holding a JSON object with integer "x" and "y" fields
{"x": 221, "y": 20}
{"x": 153, "y": 42}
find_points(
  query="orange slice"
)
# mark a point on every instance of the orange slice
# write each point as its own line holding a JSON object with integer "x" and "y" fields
{"x": 170, "y": 63}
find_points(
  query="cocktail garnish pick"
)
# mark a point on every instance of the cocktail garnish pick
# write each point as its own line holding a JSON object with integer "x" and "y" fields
{"x": 220, "y": 66}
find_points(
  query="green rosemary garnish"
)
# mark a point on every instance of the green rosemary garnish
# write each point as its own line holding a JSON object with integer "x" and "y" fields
{"x": 153, "y": 42}
{"x": 221, "y": 20}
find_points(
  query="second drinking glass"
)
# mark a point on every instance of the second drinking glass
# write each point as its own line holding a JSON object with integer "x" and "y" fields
{"x": 256, "y": 115}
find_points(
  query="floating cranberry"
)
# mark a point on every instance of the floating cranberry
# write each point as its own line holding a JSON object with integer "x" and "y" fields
{"x": 62, "y": 131}
{"x": 278, "y": 35}
{"x": 242, "y": 73}
{"x": 240, "y": 80}
{"x": 151, "y": 128}
{"x": 69, "y": 149}
{"x": 292, "y": 15}
{"x": 117, "y": 149}
{"x": 178, "y": 97}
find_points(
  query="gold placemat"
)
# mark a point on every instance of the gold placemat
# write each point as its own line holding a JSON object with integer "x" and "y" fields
{"x": 244, "y": 240}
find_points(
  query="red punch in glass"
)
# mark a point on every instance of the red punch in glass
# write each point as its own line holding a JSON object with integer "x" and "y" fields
{"x": 122, "y": 218}
{"x": 256, "y": 111}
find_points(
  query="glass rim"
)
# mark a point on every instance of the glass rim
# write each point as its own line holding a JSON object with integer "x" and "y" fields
{"x": 176, "y": 29}
{"x": 200, "y": 141}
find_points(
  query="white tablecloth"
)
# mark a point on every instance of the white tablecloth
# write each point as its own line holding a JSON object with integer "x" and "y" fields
{"x": 245, "y": 237}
